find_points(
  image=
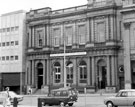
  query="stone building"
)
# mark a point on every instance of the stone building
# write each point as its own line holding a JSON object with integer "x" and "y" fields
{"x": 129, "y": 42}
{"x": 91, "y": 37}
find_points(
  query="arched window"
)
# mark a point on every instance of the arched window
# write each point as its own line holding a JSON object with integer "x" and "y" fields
{"x": 83, "y": 72}
{"x": 69, "y": 71}
{"x": 57, "y": 72}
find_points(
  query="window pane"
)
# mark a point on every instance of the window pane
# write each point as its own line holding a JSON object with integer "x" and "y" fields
{"x": 82, "y": 34}
{"x": 69, "y": 33}
{"x": 101, "y": 32}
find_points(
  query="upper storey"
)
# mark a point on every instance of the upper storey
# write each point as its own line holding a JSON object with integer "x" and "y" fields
{"x": 84, "y": 27}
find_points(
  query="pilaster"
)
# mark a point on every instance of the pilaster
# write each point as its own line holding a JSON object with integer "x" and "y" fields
{"x": 33, "y": 37}
{"x": 88, "y": 71}
{"x": 29, "y": 36}
{"x": 92, "y": 30}
{"x": 74, "y": 74}
{"x": 44, "y": 73}
{"x": 33, "y": 72}
{"x": 93, "y": 71}
{"x": 113, "y": 71}
{"x": 108, "y": 71}
{"x": 127, "y": 62}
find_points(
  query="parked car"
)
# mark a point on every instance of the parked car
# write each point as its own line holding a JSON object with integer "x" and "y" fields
{"x": 62, "y": 96}
{"x": 12, "y": 95}
{"x": 124, "y": 97}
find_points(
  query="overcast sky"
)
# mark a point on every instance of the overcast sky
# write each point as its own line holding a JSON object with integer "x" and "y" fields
{"x": 7, "y": 6}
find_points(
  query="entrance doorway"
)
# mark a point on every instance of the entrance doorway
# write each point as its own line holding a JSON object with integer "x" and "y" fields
{"x": 101, "y": 74}
{"x": 40, "y": 75}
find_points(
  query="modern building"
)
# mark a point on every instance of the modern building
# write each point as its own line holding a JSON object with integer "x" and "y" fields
{"x": 12, "y": 46}
{"x": 129, "y": 42}
{"x": 88, "y": 37}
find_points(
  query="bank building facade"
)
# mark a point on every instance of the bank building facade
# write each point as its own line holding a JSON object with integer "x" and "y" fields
{"x": 88, "y": 37}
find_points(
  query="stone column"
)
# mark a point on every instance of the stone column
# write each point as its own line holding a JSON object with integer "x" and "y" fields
{"x": 112, "y": 27}
{"x": 29, "y": 36}
{"x": 88, "y": 31}
{"x": 108, "y": 71}
{"x": 92, "y": 30}
{"x": 88, "y": 71}
{"x": 48, "y": 35}
{"x": 127, "y": 62}
{"x": 29, "y": 74}
{"x": 33, "y": 37}
{"x": 74, "y": 74}
{"x": 93, "y": 72}
{"x": 48, "y": 71}
{"x": 44, "y": 74}
{"x": 107, "y": 28}
{"x": 113, "y": 71}
{"x": 62, "y": 70}
{"x": 33, "y": 72}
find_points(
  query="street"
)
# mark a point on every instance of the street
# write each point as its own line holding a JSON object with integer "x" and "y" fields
{"x": 89, "y": 100}
{"x": 93, "y": 100}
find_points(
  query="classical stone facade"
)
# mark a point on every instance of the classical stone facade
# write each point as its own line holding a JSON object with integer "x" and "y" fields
{"x": 129, "y": 42}
{"x": 91, "y": 37}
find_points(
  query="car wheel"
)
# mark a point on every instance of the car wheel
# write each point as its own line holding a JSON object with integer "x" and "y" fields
{"x": 70, "y": 104}
{"x": 110, "y": 104}
{"x": 62, "y": 104}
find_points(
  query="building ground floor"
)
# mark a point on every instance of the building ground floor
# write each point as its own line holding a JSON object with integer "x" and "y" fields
{"x": 90, "y": 71}
{"x": 11, "y": 80}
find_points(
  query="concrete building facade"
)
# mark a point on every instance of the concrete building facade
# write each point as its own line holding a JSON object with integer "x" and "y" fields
{"x": 12, "y": 47}
{"x": 92, "y": 38}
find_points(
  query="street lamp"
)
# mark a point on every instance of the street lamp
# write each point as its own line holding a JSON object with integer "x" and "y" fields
{"x": 65, "y": 77}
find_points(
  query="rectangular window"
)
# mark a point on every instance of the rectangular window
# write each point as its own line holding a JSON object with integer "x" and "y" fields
{"x": 16, "y": 57}
{"x": 4, "y": 30}
{"x": 57, "y": 75}
{"x": 12, "y": 43}
{"x": 12, "y": 29}
{"x": 56, "y": 35}
{"x": 0, "y": 30}
{"x": 82, "y": 33}
{"x": 3, "y": 58}
{"x": 40, "y": 37}
{"x": 11, "y": 57}
{"x": 0, "y": 44}
{"x": 132, "y": 40}
{"x": 7, "y": 57}
{"x": 100, "y": 32}
{"x": 3, "y": 44}
{"x": 69, "y": 34}
{"x": 16, "y": 43}
{"x": 16, "y": 28}
{"x": 8, "y": 29}
{"x": 7, "y": 43}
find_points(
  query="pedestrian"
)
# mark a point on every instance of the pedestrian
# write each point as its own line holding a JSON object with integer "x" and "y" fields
{"x": 6, "y": 102}
{"x": 30, "y": 90}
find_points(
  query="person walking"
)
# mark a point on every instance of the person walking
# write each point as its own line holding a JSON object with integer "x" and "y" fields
{"x": 6, "y": 102}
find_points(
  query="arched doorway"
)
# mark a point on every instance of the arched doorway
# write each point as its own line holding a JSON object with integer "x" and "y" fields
{"x": 40, "y": 75}
{"x": 101, "y": 74}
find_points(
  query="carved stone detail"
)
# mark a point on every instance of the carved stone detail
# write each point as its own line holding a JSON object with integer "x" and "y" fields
{"x": 127, "y": 25}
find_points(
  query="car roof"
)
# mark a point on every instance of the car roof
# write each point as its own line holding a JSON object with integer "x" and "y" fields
{"x": 63, "y": 89}
{"x": 127, "y": 90}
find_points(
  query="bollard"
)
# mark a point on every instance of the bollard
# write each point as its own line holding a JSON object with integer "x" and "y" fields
{"x": 15, "y": 102}
{"x": 39, "y": 102}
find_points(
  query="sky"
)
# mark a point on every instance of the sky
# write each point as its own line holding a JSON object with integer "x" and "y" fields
{"x": 7, "y": 6}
